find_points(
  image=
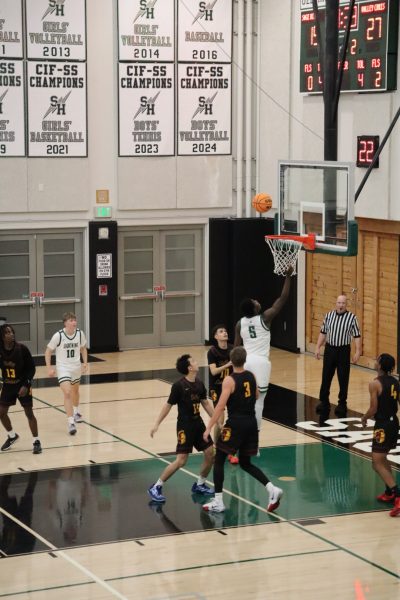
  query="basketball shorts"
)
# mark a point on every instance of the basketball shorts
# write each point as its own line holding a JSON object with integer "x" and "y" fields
{"x": 9, "y": 395}
{"x": 261, "y": 369}
{"x": 386, "y": 434}
{"x": 190, "y": 434}
{"x": 239, "y": 434}
{"x": 71, "y": 374}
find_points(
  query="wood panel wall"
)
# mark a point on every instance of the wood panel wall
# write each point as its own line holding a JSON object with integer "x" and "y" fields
{"x": 370, "y": 281}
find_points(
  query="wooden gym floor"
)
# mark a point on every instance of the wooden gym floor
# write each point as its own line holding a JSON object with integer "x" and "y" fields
{"x": 76, "y": 520}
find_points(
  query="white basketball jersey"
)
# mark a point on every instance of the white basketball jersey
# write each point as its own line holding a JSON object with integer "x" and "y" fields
{"x": 68, "y": 349}
{"x": 256, "y": 335}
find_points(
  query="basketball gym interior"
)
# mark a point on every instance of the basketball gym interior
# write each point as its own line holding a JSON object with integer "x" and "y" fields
{"x": 134, "y": 137}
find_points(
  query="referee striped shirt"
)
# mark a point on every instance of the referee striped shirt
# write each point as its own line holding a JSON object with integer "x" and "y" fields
{"x": 339, "y": 328}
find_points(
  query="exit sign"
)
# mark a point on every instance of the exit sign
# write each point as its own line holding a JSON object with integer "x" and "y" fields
{"x": 102, "y": 212}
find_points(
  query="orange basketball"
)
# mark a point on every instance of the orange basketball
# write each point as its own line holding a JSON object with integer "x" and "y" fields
{"x": 262, "y": 202}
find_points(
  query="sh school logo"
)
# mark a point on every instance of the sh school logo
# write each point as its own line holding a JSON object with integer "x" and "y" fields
{"x": 146, "y": 10}
{"x": 57, "y": 105}
{"x": 56, "y": 8}
{"x": 205, "y": 11}
{"x": 205, "y": 105}
{"x": 349, "y": 432}
{"x": 1, "y": 100}
{"x": 147, "y": 106}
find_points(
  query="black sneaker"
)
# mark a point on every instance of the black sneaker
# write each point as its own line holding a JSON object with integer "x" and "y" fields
{"x": 9, "y": 442}
{"x": 37, "y": 448}
{"x": 322, "y": 408}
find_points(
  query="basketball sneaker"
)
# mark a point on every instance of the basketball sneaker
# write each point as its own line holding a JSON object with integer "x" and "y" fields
{"x": 233, "y": 459}
{"x": 396, "y": 510}
{"x": 78, "y": 417}
{"x": 37, "y": 448}
{"x": 9, "y": 442}
{"x": 71, "y": 429}
{"x": 385, "y": 497}
{"x": 202, "y": 488}
{"x": 214, "y": 506}
{"x": 275, "y": 495}
{"x": 155, "y": 493}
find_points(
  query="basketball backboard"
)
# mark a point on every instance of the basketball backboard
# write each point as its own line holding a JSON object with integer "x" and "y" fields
{"x": 318, "y": 197}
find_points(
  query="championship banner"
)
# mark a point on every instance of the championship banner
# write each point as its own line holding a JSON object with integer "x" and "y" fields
{"x": 146, "y": 30}
{"x": 11, "y": 29}
{"x": 146, "y": 109}
{"x": 12, "y": 108}
{"x": 205, "y": 31}
{"x": 204, "y": 109}
{"x": 57, "y": 120}
{"x": 56, "y": 29}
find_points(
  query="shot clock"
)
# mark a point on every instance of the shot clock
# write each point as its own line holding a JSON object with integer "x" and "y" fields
{"x": 371, "y": 59}
{"x": 367, "y": 145}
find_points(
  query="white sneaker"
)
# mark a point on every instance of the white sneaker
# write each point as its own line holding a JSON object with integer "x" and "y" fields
{"x": 275, "y": 495}
{"x": 78, "y": 417}
{"x": 71, "y": 429}
{"x": 214, "y": 506}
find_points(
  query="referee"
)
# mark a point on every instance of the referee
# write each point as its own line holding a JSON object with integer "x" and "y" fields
{"x": 338, "y": 328}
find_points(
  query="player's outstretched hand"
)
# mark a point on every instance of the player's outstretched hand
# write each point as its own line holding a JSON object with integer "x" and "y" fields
{"x": 289, "y": 271}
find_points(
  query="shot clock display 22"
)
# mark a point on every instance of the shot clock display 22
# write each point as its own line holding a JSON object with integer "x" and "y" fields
{"x": 367, "y": 145}
{"x": 371, "y": 58}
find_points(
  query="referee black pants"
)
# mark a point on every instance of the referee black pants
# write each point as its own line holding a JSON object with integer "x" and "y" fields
{"x": 336, "y": 358}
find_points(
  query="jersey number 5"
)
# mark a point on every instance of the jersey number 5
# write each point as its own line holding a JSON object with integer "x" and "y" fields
{"x": 252, "y": 331}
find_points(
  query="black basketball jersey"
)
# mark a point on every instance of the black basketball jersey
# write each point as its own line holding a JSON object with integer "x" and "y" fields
{"x": 17, "y": 366}
{"x": 388, "y": 399}
{"x": 219, "y": 357}
{"x": 243, "y": 399}
{"x": 187, "y": 395}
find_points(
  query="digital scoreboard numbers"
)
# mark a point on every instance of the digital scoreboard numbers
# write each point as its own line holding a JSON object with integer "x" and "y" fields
{"x": 371, "y": 60}
{"x": 367, "y": 146}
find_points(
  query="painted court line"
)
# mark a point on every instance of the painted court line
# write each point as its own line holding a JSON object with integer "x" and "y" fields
{"x": 65, "y": 556}
{"x": 248, "y": 502}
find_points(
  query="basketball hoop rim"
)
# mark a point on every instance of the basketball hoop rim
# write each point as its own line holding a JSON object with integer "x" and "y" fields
{"x": 308, "y": 240}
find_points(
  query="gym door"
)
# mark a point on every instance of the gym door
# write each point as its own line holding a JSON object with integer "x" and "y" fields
{"x": 40, "y": 279}
{"x": 160, "y": 288}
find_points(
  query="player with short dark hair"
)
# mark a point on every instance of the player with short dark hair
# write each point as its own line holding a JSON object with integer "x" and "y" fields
{"x": 18, "y": 369}
{"x": 384, "y": 397}
{"x": 220, "y": 366}
{"x": 240, "y": 433}
{"x": 188, "y": 393}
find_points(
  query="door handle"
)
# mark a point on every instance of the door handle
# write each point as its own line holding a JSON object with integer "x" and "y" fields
{"x": 138, "y": 297}
{"x": 43, "y": 301}
{"x": 31, "y": 303}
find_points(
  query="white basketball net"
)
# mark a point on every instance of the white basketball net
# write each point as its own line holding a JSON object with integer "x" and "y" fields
{"x": 285, "y": 253}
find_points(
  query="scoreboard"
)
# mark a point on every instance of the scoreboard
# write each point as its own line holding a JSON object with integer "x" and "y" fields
{"x": 371, "y": 59}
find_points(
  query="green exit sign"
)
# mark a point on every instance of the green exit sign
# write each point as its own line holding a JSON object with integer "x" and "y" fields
{"x": 102, "y": 212}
